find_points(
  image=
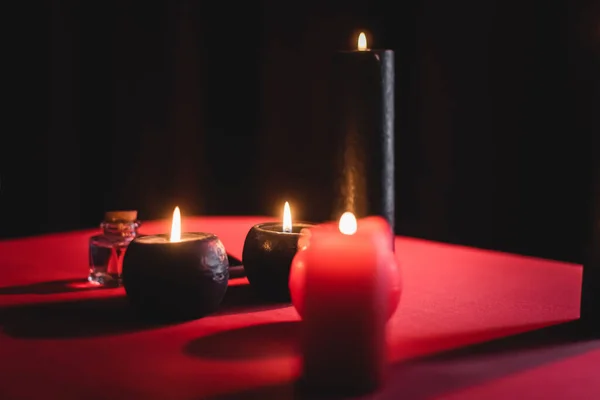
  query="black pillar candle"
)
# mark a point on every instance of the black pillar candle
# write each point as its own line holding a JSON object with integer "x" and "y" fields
{"x": 586, "y": 100}
{"x": 590, "y": 292}
{"x": 361, "y": 126}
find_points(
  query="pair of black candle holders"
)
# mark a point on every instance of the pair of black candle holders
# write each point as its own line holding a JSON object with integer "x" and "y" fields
{"x": 189, "y": 279}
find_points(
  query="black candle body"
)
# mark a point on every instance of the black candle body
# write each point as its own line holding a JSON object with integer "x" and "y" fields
{"x": 590, "y": 292}
{"x": 176, "y": 280}
{"x": 267, "y": 257}
{"x": 361, "y": 131}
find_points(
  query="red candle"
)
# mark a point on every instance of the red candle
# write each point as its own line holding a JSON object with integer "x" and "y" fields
{"x": 381, "y": 232}
{"x": 345, "y": 310}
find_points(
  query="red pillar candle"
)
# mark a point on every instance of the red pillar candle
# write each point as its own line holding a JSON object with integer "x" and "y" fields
{"x": 346, "y": 300}
{"x": 381, "y": 232}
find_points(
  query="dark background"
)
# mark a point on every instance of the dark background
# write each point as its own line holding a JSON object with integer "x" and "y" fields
{"x": 210, "y": 106}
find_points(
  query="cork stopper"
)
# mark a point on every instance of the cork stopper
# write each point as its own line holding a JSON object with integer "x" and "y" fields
{"x": 124, "y": 216}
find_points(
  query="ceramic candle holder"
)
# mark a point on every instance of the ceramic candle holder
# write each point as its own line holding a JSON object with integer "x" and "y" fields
{"x": 267, "y": 257}
{"x": 176, "y": 280}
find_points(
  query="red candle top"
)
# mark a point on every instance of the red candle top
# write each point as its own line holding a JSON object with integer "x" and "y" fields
{"x": 343, "y": 252}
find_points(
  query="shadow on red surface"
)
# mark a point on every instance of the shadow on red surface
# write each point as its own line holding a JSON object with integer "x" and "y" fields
{"x": 71, "y": 319}
{"x": 240, "y": 298}
{"x": 262, "y": 341}
{"x": 418, "y": 347}
{"x": 97, "y": 316}
{"x": 236, "y": 270}
{"x": 450, "y": 371}
{"x": 52, "y": 287}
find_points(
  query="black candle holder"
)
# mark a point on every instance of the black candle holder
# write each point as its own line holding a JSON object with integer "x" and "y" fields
{"x": 267, "y": 257}
{"x": 176, "y": 280}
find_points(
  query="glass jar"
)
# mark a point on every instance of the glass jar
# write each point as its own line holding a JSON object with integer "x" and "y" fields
{"x": 107, "y": 249}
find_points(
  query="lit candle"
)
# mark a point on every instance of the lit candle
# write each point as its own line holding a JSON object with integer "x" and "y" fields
{"x": 177, "y": 275}
{"x": 376, "y": 227}
{"x": 287, "y": 218}
{"x": 359, "y": 174}
{"x": 346, "y": 302}
{"x": 268, "y": 252}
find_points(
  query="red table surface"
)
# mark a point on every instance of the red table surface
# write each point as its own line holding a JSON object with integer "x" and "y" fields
{"x": 61, "y": 340}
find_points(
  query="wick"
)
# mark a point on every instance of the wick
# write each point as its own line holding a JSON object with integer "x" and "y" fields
{"x": 287, "y": 229}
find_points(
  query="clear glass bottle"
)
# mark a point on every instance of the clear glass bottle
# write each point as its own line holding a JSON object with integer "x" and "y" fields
{"x": 107, "y": 249}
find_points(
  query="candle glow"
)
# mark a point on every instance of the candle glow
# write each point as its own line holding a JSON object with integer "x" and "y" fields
{"x": 362, "y": 42}
{"x": 287, "y": 218}
{"x": 348, "y": 224}
{"x": 176, "y": 226}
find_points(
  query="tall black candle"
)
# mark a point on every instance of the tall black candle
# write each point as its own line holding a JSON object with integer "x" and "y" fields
{"x": 590, "y": 292}
{"x": 361, "y": 128}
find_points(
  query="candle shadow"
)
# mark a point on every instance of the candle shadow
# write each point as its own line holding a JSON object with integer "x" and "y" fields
{"x": 461, "y": 368}
{"x": 234, "y": 261}
{"x": 282, "y": 391}
{"x": 439, "y": 374}
{"x": 264, "y": 341}
{"x": 293, "y": 390}
{"x": 241, "y": 298}
{"x": 51, "y": 287}
{"x": 71, "y": 319}
{"x": 236, "y": 271}
{"x": 236, "y": 268}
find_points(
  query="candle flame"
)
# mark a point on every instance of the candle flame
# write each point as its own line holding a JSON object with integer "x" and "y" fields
{"x": 176, "y": 226}
{"x": 362, "y": 42}
{"x": 287, "y": 218}
{"x": 348, "y": 224}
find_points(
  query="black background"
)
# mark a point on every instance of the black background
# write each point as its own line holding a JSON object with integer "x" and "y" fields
{"x": 210, "y": 105}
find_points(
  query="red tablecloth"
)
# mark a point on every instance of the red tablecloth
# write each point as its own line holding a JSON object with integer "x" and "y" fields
{"x": 61, "y": 340}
